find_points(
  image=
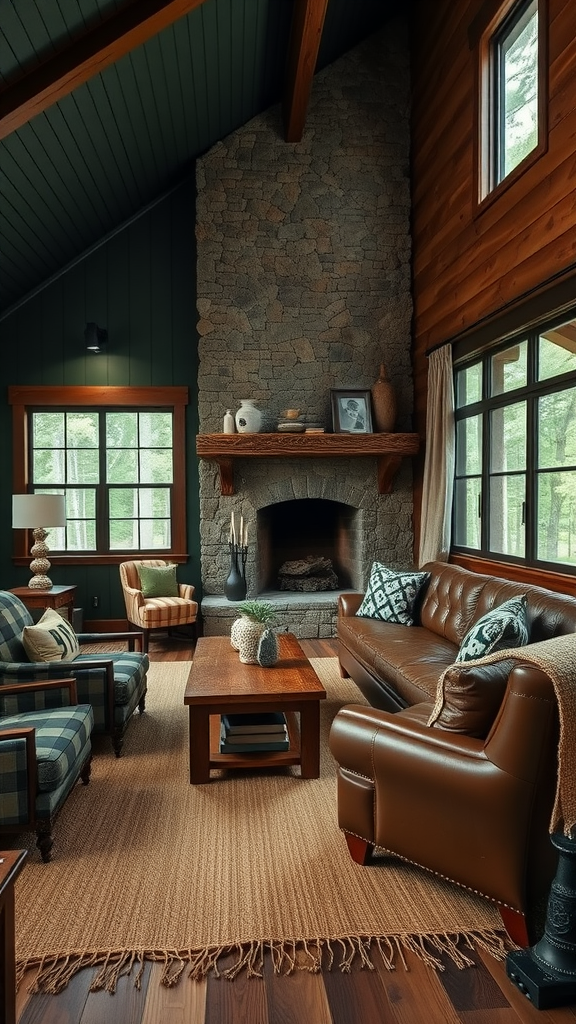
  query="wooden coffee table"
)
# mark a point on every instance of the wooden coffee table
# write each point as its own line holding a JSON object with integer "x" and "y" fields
{"x": 219, "y": 683}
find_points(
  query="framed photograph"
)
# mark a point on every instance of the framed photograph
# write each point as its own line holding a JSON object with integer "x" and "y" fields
{"x": 351, "y": 411}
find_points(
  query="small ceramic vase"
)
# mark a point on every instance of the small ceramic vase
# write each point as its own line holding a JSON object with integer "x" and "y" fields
{"x": 248, "y": 417}
{"x": 268, "y": 648}
{"x": 229, "y": 427}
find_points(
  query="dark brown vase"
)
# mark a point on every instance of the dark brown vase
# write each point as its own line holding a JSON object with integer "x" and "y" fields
{"x": 383, "y": 403}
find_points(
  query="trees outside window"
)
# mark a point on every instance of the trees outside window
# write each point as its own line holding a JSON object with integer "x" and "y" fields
{"x": 119, "y": 463}
{"x": 512, "y": 116}
{"x": 515, "y": 483}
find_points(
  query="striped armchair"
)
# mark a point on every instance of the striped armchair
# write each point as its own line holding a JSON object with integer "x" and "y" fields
{"x": 148, "y": 613}
{"x": 44, "y": 749}
{"x": 114, "y": 684}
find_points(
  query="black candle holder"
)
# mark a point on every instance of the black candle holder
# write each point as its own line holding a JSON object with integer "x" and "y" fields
{"x": 235, "y": 586}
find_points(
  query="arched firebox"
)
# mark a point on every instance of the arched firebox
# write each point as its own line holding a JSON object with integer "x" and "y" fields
{"x": 308, "y": 545}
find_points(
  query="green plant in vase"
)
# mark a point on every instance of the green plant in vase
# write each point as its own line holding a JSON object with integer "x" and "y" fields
{"x": 256, "y": 618}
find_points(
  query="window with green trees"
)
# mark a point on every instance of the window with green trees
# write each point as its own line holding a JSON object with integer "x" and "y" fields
{"x": 512, "y": 121}
{"x": 118, "y": 456}
{"x": 115, "y": 470}
{"x": 515, "y": 481}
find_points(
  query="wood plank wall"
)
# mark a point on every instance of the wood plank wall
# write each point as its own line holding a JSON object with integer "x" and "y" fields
{"x": 469, "y": 265}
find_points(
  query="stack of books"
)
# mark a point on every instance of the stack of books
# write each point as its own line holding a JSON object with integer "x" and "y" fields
{"x": 246, "y": 733}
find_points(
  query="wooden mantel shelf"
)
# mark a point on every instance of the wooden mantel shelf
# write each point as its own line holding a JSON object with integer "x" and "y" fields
{"x": 389, "y": 450}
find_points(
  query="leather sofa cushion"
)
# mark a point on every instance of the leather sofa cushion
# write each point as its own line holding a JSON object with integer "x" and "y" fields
{"x": 410, "y": 658}
{"x": 469, "y": 697}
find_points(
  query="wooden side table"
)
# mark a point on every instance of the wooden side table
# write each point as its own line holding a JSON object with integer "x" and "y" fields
{"x": 11, "y": 864}
{"x": 55, "y": 597}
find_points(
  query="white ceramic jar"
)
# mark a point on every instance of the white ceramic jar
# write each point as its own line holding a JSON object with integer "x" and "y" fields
{"x": 248, "y": 417}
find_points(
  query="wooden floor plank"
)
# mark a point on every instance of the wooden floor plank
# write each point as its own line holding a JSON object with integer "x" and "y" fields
{"x": 416, "y": 995}
{"x": 65, "y": 1008}
{"x": 238, "y": 1001}
{"x": 357, "y": 997}
{"x": 185, "y": 1003}
{"x": 125, "y": 1006}
{"x": 473, "y": 989}
{"x": 296, "y": 997}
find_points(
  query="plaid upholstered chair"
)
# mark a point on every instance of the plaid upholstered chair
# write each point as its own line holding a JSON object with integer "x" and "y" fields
{"x": 153, "y": 597}
{"x": 113, "y": 683}
{"x": 44, "y": 749}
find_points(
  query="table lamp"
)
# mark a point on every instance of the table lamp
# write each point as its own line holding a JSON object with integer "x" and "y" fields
{"x": 35, "y": 512}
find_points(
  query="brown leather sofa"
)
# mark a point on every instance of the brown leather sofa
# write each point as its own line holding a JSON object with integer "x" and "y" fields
{"x": 469, "y": 798}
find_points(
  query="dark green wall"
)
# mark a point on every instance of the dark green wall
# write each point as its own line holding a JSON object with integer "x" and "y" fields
{"x": 141, "y": 286}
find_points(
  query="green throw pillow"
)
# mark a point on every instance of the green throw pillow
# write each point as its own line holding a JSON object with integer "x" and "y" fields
{"x": 158, "y": 580}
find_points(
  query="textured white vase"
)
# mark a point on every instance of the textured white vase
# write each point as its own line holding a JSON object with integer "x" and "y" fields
{"x": 248, "y": 417}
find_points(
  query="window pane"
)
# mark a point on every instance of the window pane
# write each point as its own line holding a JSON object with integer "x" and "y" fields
{"x": 122, "y": 466}
{"x": 519, "y": 89}
{"x": 469, "y": 446}
{"x": 467, "y": 520}
{"x": 155, "y": 533}
{"x": 80, "y": 503}
{"x": 557, "y": 517}
{"x": 123, "y": 503}
{"x": 509, "y": 369}
{"x": 156, "y": 465}
{"x": 82, "y": 429}
{"x": 468, "y": 385}
{"x": 82, "y": 466}
{"x": 154, "y": 502}
{"x": 124, "y": 535}
{"x": 81, "y": 535}
{"x": 121, "y": 430}
{"x": 557, "y": 351}
{"x": 508, "y": 438}
{"x": 557, "y": 429}
{"x": 48, "y": 430}
{"x": 155, "y": 429}
{"x": 48, "y": 466}
{"x": 507, "y": 503}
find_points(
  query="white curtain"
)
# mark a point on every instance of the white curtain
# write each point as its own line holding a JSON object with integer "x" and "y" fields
{"x": 435, "y": 524}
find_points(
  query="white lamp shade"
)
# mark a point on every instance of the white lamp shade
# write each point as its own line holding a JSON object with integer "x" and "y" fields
{"x": 30, "y": 511}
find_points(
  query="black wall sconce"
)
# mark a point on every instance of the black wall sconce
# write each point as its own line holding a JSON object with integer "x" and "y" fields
{"x": 95, "y": 338}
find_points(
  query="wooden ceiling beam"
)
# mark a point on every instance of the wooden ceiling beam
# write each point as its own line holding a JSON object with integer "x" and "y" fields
{"x": 306, "y": 33}
{"x": 123, "y": 31}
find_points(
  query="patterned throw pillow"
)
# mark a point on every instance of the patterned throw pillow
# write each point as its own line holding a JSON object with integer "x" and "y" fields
{"x": 504, "y": 626}
{"x": 51, "y": 639}
{"x": 391, "y": 595}
{"x": 158, "y": 580}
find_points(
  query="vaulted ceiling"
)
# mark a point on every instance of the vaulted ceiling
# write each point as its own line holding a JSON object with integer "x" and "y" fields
{"x": 105, "y": 105}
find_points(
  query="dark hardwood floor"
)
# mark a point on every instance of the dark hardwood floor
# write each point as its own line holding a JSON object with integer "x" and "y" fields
{"x": 417, "y": 995}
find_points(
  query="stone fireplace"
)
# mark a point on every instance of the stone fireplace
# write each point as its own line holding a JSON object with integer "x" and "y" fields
{"x": 303, "y": 254}
{"x": 292, "y": 531}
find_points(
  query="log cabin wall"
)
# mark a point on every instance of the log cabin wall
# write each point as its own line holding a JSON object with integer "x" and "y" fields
{"x": 468, "y": 265}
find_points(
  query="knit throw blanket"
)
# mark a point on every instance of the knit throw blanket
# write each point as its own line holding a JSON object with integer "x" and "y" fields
{"x": 557, "y": 658}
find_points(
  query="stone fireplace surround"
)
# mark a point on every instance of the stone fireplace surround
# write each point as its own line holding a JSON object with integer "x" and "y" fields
{"x": 303, "y": 255}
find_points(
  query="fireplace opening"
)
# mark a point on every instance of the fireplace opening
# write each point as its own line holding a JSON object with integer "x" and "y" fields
{"x": 305, "y": 538}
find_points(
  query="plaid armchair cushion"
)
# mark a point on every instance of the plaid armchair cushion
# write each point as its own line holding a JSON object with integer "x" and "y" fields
{"x": 61, "y": 735}
{"x": 14, "y": 804}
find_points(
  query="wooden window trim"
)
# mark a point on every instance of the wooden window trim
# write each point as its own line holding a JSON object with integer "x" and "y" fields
{"x": 480, "y": 36}
{"x": 22, "y": 399}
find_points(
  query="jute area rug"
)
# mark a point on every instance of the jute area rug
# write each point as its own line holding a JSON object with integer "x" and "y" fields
{"x": 148, "y": 867}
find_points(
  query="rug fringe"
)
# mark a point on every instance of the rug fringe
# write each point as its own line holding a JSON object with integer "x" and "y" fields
{"x": 287, "y": 956}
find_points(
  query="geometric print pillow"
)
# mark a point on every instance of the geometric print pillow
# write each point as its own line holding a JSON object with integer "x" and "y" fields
{"x": 504, "y": 626}
{"x": 391, "y": 595}
{"x": 51, "y": 639}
